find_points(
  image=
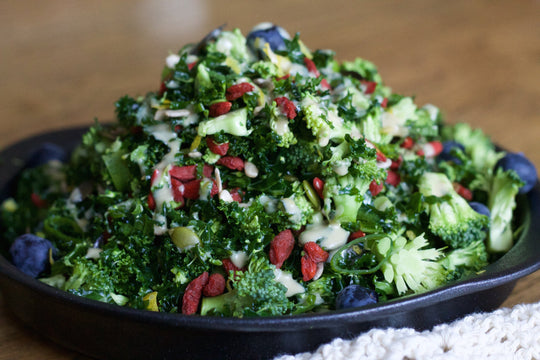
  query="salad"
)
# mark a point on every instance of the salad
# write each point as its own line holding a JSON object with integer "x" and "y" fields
{"x": 262, "y": 179}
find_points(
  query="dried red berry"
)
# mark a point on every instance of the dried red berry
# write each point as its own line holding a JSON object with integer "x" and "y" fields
{"x": 178, "y": 190}
{"x": 38, "y": 201}
{"x": 370, "y": 86}
{"x": 219, "y": 108}
{"x": 375, "y": 188}
{"x": 232, "y": 162}
{"x": 393, "y": 178}
{"x": 396, "y": 163}
{"x": 384, "y": 103}
{"x": 325, "y": 85}
{"x": 184, "y": 173}
{"x": 214, "y": 190}
{"x": 281, "y": 248}
{"x": 286, "y": 106}
{"x": 380, "y": 156}
{"x": 311, "y": 67}
{"x": 191, "y": 65}
{"x": 283, "y": 77}
{"x": 308, "y": 267}
{"x": 219, "y": 149}
{"x": 236, "y": 91}
{"x": 356, "y": 235}
{"x": 151, "y": 202}
{"x": 315, "y": 252}
{"x": 191, "y": 189}
{"x": 318, "y": 185}
{"x": 463, "y": 191}
{"x": 192, "y": 295}
{"x": 407, "y": 143}
{"x": 207, "y": 171}
{"x": 215, "y": 285}
{"x": 235, "y": 194}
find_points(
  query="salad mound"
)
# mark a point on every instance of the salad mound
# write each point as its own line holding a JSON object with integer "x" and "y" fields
{"x": 262, "y": 179}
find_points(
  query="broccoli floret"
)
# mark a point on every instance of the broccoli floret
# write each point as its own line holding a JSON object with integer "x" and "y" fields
{"x": 501, "y": 203}
{"x": 318, "y": 295}
{"x": 477, "y": 145}
{"x": 299, "y": 209}
{"x": 465, "y": 261}
{"x": 255, "y": 293}
{"x": 234, "y": 123}
{"x": 366, "y": 69}
{"x": 408, "y": 265}
{"x": 280, "y": 126}
{"x": 450, "y": 216}
{"x": 424, "y": 122}
{"x": 232, "y": 44}
{"x": 325, "y": 123}
{"x": 346, "y": 194}
{"x": 265, "y": 69}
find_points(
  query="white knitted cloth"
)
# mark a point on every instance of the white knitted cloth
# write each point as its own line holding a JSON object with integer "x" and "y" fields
{"x": 505, "y": 334}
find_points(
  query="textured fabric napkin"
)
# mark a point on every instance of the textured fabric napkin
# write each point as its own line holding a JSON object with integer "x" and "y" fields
{"x": 505, "y": 334}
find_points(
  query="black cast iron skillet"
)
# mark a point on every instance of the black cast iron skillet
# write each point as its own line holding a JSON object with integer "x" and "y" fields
{"x": 105, "y": 331}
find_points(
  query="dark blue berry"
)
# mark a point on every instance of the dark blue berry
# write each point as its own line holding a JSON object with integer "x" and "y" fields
{"x": 355, "y": 296}
{"x": 523, "y": 167}
{"x": 30, "y": 254}
{"x": 46, "y": 153}
{"x": 480, "y": 208}
{"x": 447, "y": 153}
{"x": 267, "y": 33}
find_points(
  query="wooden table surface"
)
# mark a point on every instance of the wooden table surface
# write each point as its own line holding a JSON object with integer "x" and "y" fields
{"x": 63, "y": 63}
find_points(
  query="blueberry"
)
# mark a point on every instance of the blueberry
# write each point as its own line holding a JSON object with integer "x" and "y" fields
{"x": 268, "y": 33}
{"x": 46, "y": 153}
{"x": 355, "y": 296}
{"x": 448, "y": 149}
{"x": 523, "y": 167}
{"x": 480, "y": 208}
{"x": 30, "y": 254}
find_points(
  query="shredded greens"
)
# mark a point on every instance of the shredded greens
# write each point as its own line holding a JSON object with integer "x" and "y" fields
{"x": 242, "y": 143}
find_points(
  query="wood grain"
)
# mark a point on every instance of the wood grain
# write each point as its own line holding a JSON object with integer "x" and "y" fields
{"x": 64, "y": 63}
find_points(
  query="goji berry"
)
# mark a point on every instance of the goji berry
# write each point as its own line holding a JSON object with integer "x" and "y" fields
{"x": 236, "y": 91}
{"x": 393, "y": 178}
{"x": 283, "y": 77}
{"x": 396, "y": 163}
{"x": 384, "y": 103}
{"x": 325, "y": 85}
{"x": 281, "y": 248}
{"x": 311, "y": 67}
{"x": 375, "y": 188}
{"x": 191, "y": 189}
{"x": 219, "y": 108}
{"x": 151, "y": 202}
{"x": 315, "y": 252}
{"x": 215, "y": 190}
{"x": 219, "y": 149}
{"x": 191, "y": 65}
{"x": 380, "y": 156}
{"x": 286, "y": 106}
{"x": 192, "y": 295}
{"x": 184, "y": 173}
{"x": 308, "y": 267}
{"x": 318, "y": 185}
{"x": 215, "y": 285}
{"x": 463, "y": 191}
{"x": 38, "y": 201}
{"x": 178, "y": 190}
{"x": 235, "y": 194}
{"x": 407, "y": 143}
{"x": 232, "y": 162}
{"x": 356, "y": 235}
{"x": 154, "y": 177}
{"x": 162, "y": 88}
{"x": 207, "y": 171}
{"x": 370, "y": 86}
